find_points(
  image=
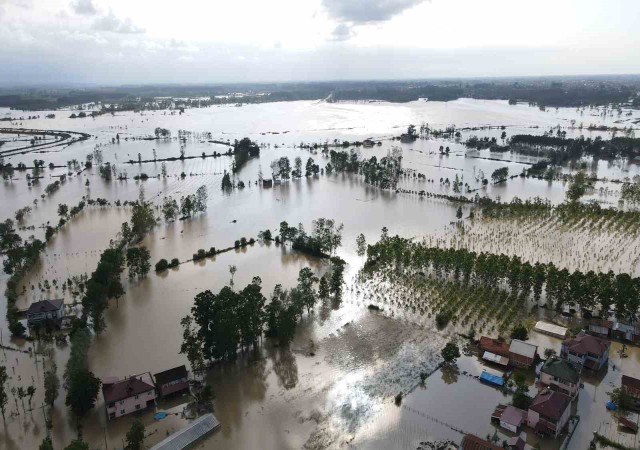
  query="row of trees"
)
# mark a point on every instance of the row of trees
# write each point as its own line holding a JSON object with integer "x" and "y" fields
{"x": 243, "y": 149}
{"x": 281, "y": 168}
{"x": 223, "y": 323}
{"x": 189, "y": 204}
{"x": 559, "y": 150}
{"x": 562, "y": 287}
{"x": 324, "y": 239}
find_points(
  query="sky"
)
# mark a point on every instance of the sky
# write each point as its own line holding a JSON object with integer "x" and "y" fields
{"x": 112, "y": 42}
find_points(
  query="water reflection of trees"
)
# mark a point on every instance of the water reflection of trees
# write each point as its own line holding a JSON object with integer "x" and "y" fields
{"x": 285, "y": 367}
{"x": 449, "y": 374}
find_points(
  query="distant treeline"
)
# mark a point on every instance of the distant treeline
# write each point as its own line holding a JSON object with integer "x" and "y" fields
{"x": 559, "y": 150}
{"x": 567, "y": 91}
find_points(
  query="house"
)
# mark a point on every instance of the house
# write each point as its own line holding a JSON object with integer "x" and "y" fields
{"x": 560, "y": 376}
{"x": 494, "y": 351}
{"x": 631, "y": 387}
{"x": 549, "y": 412}
{"x": 368, "y": 143}
{"x": 172, "y": 381}
{"x": 122, "y": 397}
{"x": 509, "y": 417}
{"x": 267, "y": 183}
{"x": 626, "y": 331}
{"x": 550, "y": 329}
{"x": 45, "y": 310}
{"x": 601, "y": 328}
{"x": 473, "y": 442}
{"x": 586, "y": 351}
{"x": 522, "y": 354}
{"x": 518, "y": 442}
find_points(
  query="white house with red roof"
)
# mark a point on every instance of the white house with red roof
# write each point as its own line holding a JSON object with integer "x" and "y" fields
{"x": 122, "y": 397}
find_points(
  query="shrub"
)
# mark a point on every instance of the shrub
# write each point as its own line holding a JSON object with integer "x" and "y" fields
{"x": 236, "y": 244}
{"x": 161, "y": 265}
{"x": 212, "y": 251}
{"x": 442, "y": 319}
{"x": 243, "y": 241}
{"x": 175, "y": 262}
{"x": 200, "y": 255}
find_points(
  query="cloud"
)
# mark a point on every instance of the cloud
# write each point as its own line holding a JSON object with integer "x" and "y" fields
{"x": 84, "y": 7}
{"x": 110, "y": 22}
{"x": 366, "y": 11}
{"x": 342, "y": 32}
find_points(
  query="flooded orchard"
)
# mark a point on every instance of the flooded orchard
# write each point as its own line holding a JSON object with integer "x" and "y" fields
{"x": 363, "y": 370}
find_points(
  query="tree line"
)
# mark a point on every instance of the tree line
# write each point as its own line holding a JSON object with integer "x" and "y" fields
{"x": 561, "y": 287}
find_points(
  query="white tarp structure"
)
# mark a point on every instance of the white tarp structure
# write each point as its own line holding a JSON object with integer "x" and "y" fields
{"x": 551, "y": 329}
{"x": 189, "y": 434}
{"x": 492, "y": 357}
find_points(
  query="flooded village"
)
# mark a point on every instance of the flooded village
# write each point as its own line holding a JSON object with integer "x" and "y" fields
{"x": 320, "y": 275}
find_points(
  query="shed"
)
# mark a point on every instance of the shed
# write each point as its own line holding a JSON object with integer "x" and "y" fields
{"x": 497, "y": 359}
{"x": 188, "y": 435}
{"x": 551, "y": 329}
{"x": 491, "y": 378}
{"x": 522, "y": 354}
{"x": 509, "y": 417}
{"x": 172, "y": 381}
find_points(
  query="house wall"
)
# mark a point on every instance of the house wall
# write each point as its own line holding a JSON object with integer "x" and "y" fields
{"x": 533, "y": 418}
{"x": 571, "y": 388}
{"x": 519, "y": 360}
{"x": 131, "y": 404}
{"x": 509, "y": 426}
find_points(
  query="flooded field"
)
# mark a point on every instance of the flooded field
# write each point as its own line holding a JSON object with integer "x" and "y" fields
{"x": 334, "y": 385}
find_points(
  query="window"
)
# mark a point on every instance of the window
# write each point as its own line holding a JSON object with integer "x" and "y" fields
{"x": 122, "y": 411}
{"x": 136, "y": 397}
{"x": 137, "y": 406}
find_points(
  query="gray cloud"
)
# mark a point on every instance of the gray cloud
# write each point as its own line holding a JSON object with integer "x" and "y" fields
{"x": 342, "y": 32}
{"x": 110, "y": 22}
{"x": 84, "y": 7}
{"x": 366, "y": 11}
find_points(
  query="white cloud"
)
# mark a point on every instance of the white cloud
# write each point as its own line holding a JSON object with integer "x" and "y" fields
{"x": 367, "y": 11}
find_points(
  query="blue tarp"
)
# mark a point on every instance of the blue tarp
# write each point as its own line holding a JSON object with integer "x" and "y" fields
{"x": 160, "y": 415}
{"x": 491, "y": 378}
{"x": 611, "y": 406}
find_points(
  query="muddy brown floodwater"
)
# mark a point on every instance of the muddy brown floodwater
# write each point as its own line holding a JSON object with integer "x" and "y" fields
{"x": 334, "y": 386}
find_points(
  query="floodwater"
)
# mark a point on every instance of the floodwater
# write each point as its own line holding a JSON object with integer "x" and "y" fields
{"x": 333, "y": 387}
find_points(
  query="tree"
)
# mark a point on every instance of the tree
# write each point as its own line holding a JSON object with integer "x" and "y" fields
{"x": 521, "y": 398}
{"x": 51, "y": 385}
{"x": 459, "y": 213}
{"x": 577, "y": 187}
{"x": 170, "y": 209}
{"x": 450, "y": 353}
{"x": 46, "y": 444}
{"x": 192, "y": 345}
{"x": 77, "y": 444}
{"x": 519, "y": 332}
{"x": 82, "y": 391}
{"x": 163, "y": 169}
{"x": 63, "y": 210}
{"x": 31, "y": 390}
{"x": 138, "y": 261}
{"x": 201, "y": 199}
{"x": 142, "y": 216}
{"x": 135, "y": 436}
{"x": 4, "y": 397}
{"x": 308, "y": 295}
{"x": 500, "y": 174}
{"x": 226, "y": 181}
{"x": 323, "y": 288}
{"x": 186, "y": 206}
{"x": 361, "y": 245}
{"x": 337, "y": 274}
{"x": 622, "y": 400}
{"x": 549, "y": 353}
{"x": 232, "y": 271}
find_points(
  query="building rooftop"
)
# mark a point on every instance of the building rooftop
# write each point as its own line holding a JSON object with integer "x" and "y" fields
{"x": 44, "y": 306}
{"x": 473, "y": 442}
{"x": 585, "y": 343}
{"x": 561, "y": 369}
{"x": 129, "y": 387}
{"x": 523, "y": 348}
{"x": 630, "y": 382}
{"x": 510, "y": 414}
{"x": 550, "y": 403}
{"x": 189, "y": 434}
{"x": 494, "y": 346}
{"x": 177, "y": 373}
{"x": 549, "y": 328}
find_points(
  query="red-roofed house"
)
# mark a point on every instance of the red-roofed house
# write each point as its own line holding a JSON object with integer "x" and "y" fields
{"x": 473, "y": 442}
{"x": 586, "y": 351}
{"x": 122, "y": 397}
{"x": 494, "y": 346}
{"x": 549, "y": 412}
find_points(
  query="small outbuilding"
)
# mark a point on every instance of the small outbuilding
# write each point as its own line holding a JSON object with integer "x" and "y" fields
{"x": 491, "y": 378}
{"x": 522, "y": 354}
{"x": 551, "y": 329}
{"x": 509, "y": 417}
{"x": 172, "y": 382}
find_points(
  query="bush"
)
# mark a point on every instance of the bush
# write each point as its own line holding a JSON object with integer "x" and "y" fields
{"x": 243, "y": 241}
{"x": 211, "y": 252}
{"x": 252, "y": 241}
{"x": 161, "y": 265}
{"x": 200, "y": 255}
{"x": 175, "y": 262}
{"x": 442, "y": 319}
{"x": 236, "y": 244}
